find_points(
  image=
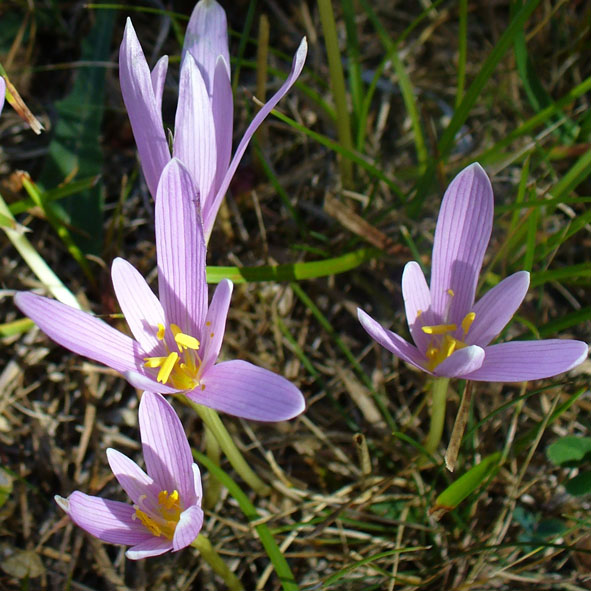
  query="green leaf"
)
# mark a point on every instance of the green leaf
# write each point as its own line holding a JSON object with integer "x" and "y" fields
{"x": 568, "y": 449}
{"x": 465, "y": 485}
{"x": 580, "y": 484}
{"x": 74, "y": 149}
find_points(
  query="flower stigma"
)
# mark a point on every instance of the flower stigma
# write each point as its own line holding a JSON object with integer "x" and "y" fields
{"x": 180, "y": 369}
{"x": 443, "y": 343}
{"x": 163, "y": 522}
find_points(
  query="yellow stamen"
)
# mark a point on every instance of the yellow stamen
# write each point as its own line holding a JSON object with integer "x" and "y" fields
{"x": 169, "y": 501}
{"x": 186, "y": 341}
{"x": 439, "y": 329}
{"x": 167, "y": 368}
{"x": 451, "y": 292}
{"x": 148, "y": 522}
{"x": 154, "y": 361}
{"x": 161, "y": 332}
{"x": 467, "y": 322}
{"x": 419, "y": 312}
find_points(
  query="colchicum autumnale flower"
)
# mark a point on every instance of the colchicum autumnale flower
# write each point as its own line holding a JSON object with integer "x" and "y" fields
{"x": 166, "y": 513}
{"x": 177, "y": 338}
{"x": 450, "y": 331}
{"x": 203, "y": 122}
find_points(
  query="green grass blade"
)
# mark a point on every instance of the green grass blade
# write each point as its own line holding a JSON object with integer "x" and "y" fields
{"x": 274, "y": 553}
{"x": 293, "y": 271}
{"x": 37, "y": 264}
{"x": 462, "y": 50}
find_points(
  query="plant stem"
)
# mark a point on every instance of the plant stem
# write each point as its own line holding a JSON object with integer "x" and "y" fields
{"x": 214, "y": 560}
{"x": 439, "y": 399}
{"x": 337, "y": 81}
{"x": 214, "y": 486}
{"x": 213, "y": 422}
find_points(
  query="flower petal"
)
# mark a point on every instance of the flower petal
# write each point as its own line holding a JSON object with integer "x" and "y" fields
{"x": 495, "y": 309}
{"x": 215, "y": 324}
{"x": 296, "y": 69}
{"x": 180, "y": 250}
{"x": 158, "y": 77}
{"x": 140, "y": 306}
{"x": 417, "y": 303}
{"x": 206, "y": 38}
{"x": 461, "y": 362}
{"x": 391, "y": 341}
{"x": 461, "y": 237}
{"x": 133, "y": 480}
{"x": 2, "y": 93}
{"x": 245, "y": 390}
{"x": 194, "y": 138}
{"x": 166, "y": 450}
{"x": 137, "y": 89}
{"x": 82, "y": 333}
{"x": 147, "y": 382}
{"x": 110, "y": 521}
{"x": 152, "y": 547}
{"x": 519, "y": 361}
{"x": 189, "y": 525}
{"x": 223, "y": 110}
{"x": 197, "y": 482}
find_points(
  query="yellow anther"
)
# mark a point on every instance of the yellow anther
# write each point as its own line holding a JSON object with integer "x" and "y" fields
{"x": 148, "y": 522}
{"x": 169, "y": 501}
{"x": 419, "y": 312}
{"x": 439, "y": 329}
{"x": 161, "y": 332}
{"x": 167, "y": 368}
{"x": 154, "y": 361}
{"x": 450, "y": 292}
{"x": 186, "y": 341}
{"x": 467, "y": 322}
{"x": 449, "y": 346}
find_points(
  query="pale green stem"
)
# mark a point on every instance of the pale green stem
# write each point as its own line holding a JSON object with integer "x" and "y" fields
{"x": 213, "y": 422}
{"x": 214, "y": 486}
{"x": 214, "y": 560}
{"x": 337, "y": 81}
{"x": 438, "y": 404}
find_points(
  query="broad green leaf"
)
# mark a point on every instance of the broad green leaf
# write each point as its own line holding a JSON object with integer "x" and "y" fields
{"x": 75, "y": 150}
{"x": 568, "y": 449}
{"x": 580, "y": 484}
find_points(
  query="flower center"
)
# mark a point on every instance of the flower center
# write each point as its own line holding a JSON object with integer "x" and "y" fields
{"x": 442, "y": 343}
{"x": 162, "y": 523}
{"x": 181, "y": 368}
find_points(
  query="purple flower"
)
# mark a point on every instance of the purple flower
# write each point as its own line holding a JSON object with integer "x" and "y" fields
{"x": 177, "y": 338}
{"x": 2, "y": 93}
{"x": 203, "y": 123}
{"x": 450, "y": 331}
{"x": 166, "y": 513}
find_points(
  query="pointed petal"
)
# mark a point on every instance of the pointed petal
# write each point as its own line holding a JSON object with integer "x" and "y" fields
{"x": 139, "y": 305}
{"x": 142, "y": 107}
{"x": 82, "y": 333}
{"x": 110, "y": 521}
{"x": 187, "y": 528}
{"x": 417, "y": 303}
{"x": 215, "y": 324}
{"x": 461, "y": 363}
{"x": 197, "y": 482}
{"x": 223, "y": 118}
{"x": 147, "y": 382}
{"x": 2, "y": 93}
{"x": 520, "y": 361}
{"x": 206, "y": 38}
{"x": 194, "y": 138}
{"x": 152, "y": 547}
{"x": 461, "y": 237}
{"x": 166, "y": 450}
{"x": 296, "y": 69}
{"x": 245, "y": 390}
{"x": 391, "y": 341}
{"x": 180, "y": 250}
{"x": 133, "y": 480}
{"x": 495, "y": 309}
{"x": 158, "y": 77}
